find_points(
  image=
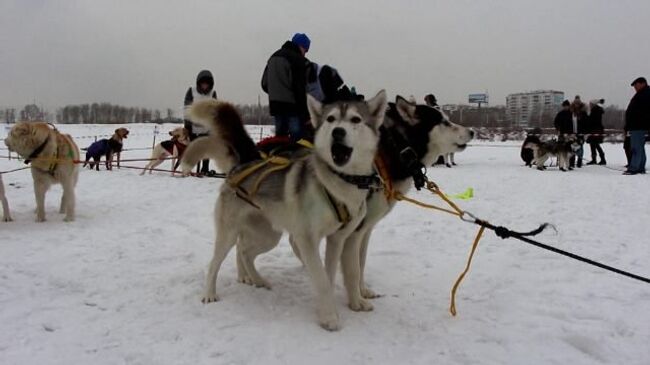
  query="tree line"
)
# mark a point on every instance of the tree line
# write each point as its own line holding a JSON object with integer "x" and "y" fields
{"x": 107, "y": 113}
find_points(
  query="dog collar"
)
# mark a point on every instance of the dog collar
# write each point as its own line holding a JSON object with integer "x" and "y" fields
{"x": 37, "y": 151}
{"x": 361, "y": 181}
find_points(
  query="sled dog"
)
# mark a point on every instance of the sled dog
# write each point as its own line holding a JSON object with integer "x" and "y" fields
{"x": 304, "y": 199}
{"x": 412, "y": 136}
{"x": 563, "y": 149}
{"x": 106, "y": 147}
{"x": 173, "y": 147}
{"x": 53, "y": 157}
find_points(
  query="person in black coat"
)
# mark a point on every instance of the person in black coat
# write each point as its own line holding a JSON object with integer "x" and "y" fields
{"x": 595, "y": 131}
{"x": 563, "y": 120}
{"x": 285, "y": 81}
{"x": 204, "y": 89}
{"x": 637, "y": 124}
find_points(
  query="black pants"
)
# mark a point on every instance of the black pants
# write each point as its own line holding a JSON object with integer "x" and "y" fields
{"x": 595, "y": 147}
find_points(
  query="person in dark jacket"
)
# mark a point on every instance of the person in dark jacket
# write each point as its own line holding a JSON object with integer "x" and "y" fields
{"x": 284, "y": 80}
{"x": 637, "y": 124}
{"x": 571, "y": 121}
{"x": 203, "y": 90}
{"x": 563, "y": 120}
{"x": 595, "y": 130}
{"x": 325, "y": 84}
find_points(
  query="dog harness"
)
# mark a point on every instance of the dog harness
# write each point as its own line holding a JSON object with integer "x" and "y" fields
{"x": 272, "y": 163}
{"x": 170, "y": 144}
{"x": 61, "y": 139}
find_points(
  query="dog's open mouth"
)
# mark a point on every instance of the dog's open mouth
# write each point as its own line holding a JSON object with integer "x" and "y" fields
{"x": 340, "y": 153}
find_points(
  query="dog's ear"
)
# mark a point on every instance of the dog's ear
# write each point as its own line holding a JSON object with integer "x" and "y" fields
{"x": 315, "y": 111}
{"x": 377, "y": 108}
{"x": 406, "y": 109}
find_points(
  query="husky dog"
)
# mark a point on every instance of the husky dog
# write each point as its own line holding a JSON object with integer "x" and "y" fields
{"x": 6, "y": 215}
{"x": 299, "y": 199}
{"x": 53, "y": 157}
{"x": 173, "y": 147}
{"x": 563, "y": 149}
{"x": 527, "y": 154}
{"x": 412, "y": 136}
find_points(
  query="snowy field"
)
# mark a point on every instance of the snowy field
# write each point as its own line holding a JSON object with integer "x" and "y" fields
{"x": 122, "y": 284}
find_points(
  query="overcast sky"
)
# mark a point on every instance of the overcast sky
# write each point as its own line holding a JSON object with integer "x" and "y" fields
{"x": 147, "y": 53}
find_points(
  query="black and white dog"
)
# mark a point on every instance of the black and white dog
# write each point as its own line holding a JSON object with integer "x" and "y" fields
{"x": 563, "y": 149}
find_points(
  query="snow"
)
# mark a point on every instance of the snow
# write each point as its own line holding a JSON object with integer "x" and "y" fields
{"x": 122, "y": 284}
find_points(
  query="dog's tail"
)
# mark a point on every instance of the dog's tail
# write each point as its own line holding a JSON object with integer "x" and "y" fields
{"x": 228, "y": 142}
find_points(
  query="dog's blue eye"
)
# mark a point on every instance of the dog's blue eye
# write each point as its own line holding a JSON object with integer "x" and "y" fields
{"x": 331, "y": 119}
{"x": 355, "y": 120}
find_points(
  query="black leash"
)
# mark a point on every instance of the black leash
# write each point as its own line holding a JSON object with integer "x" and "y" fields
{"x": 504, "y": 233}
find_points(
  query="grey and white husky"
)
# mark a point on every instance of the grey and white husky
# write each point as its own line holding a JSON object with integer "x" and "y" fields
{"x": 562, "y": 148}
{"x": 298, "y": 199}
{"x": 412, "y": 136}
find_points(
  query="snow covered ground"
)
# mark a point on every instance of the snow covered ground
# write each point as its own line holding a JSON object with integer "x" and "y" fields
{"x": 122, "y": 284}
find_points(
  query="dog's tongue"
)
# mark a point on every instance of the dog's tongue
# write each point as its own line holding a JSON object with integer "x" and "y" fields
{"x": 340, "y": 153}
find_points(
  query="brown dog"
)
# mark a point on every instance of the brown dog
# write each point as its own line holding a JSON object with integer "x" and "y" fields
{"x": 53, "y": 157}
{"x": 119, "y": 135}
{"x": 106, "y": 147}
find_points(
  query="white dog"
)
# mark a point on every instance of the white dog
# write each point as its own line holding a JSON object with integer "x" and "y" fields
{"x": 173, "y": 147}
{"x": 53, "y": 157}
{"x": 303, "y": 199}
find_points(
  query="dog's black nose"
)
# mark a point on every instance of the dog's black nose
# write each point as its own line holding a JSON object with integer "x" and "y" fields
{"x": 338, "y": 134}
{"x": 471, "y": 133}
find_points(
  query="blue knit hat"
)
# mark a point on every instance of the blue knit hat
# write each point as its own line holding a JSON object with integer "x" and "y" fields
{"x": 301, "y": 40}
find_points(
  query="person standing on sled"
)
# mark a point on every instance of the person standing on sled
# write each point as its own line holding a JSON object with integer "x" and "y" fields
{"x": 202, "y": 91}
{"x": 284, "y": 80}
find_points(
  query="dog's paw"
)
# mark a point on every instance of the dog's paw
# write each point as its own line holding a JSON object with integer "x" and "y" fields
{"x": 368, "y": 293}
{"x": 448, "y": 165}
{"x": 40, "y": 219}
{"x": 68, "y": 219}
{"x": 361, "y": 305}
{"x": 209, "y": 299}
{"x": 330, "y": 322}
{"x": 258, "y": 284}
{"x": 7, "y": 219}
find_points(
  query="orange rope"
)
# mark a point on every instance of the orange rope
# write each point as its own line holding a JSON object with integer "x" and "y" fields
{"x": 432, "y": 187}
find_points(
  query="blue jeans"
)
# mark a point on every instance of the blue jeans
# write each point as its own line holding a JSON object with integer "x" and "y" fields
{"x": 637, "y": 145}
{"x": 288, "y": 126}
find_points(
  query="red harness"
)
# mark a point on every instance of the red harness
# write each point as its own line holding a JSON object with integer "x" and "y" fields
{"x": 170, "y": 144}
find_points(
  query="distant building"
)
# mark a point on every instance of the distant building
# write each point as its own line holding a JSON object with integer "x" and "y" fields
{"x": 529, "y": 109}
